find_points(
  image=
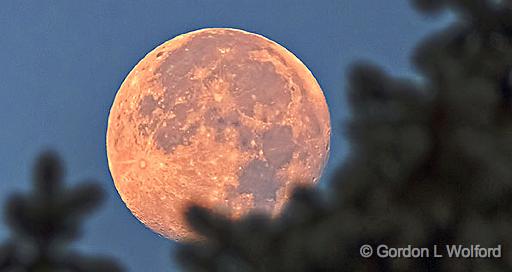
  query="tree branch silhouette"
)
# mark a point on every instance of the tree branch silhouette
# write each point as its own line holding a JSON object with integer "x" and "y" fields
{"x": 45, "y": 221}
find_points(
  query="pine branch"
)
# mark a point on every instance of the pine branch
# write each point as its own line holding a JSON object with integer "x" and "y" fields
{"x": 47, "y": 220}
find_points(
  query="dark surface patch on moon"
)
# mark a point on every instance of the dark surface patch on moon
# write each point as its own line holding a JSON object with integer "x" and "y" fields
{"x": 177, "y": 89}
{"x": 168, "y": 137}
{"x": 180, "y": 93}
{"x": 213, "y": 118}
{"x": 278, "y": 145}
{"x": 147, "y": 105}
{"x": 219, "y": 122}
{"x": 181, "y": 112}
{"x": 245, "y": 138}
{"x": 148, "y": 123}
{"x": 255, "y": 81}
{"x": 258, "y": 178}
{"x": 258, "y": 82}
{"x": 203, "y": 50}
{"x": 175, "y": 68}
{"x": 233, "y": 118}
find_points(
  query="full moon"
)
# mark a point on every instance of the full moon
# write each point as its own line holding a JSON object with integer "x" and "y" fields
{"x": 221, "y": 118}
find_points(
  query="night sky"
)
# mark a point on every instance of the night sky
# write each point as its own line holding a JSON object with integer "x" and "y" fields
{"x": 62, "y": 62}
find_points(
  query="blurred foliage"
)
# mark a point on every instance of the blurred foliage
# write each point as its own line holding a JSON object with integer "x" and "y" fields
{"x": 430, "y": 164}
{"x": 44, "y": 222}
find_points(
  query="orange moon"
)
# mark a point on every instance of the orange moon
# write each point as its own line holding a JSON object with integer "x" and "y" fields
{"x": 223, "y": 118}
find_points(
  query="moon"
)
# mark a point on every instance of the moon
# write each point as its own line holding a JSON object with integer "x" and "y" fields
{"x": 222, "y": 118}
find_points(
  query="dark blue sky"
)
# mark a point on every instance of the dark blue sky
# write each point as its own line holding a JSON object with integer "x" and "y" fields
{"x": 61, "y": 63}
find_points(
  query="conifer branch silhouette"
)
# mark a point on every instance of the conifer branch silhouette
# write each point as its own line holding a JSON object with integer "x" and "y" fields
{"x": 45, "y": 221}
{"x": 430, "y": 164}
